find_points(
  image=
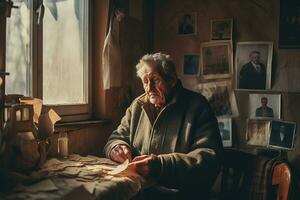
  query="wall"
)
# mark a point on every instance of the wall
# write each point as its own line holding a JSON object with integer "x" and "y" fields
{"x": 254, "y": 20}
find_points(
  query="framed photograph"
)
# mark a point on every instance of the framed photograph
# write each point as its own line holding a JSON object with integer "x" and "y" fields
{"x": 289, "y": 24}
{"x": 253, "y": 65}
{"x": 225, "y": 127}
{"x": 191, "y": 65}
{"x": 221, "y": 98}
{"x": 282, "y": 134}
{"x": 258, "y": 132}
{"x": 187, "y": 24}
{"x": 265, "y": 105}
{"x": 221, "y": 29}
{"x": 216, "y": 59}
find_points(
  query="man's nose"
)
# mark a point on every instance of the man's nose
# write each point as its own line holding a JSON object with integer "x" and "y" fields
{"x": 150, "y": 85}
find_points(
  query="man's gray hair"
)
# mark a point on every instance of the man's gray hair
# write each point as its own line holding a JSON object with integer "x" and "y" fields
{"x": 163, "y": 62}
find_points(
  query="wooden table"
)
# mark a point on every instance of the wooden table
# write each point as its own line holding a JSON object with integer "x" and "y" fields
{"x": 63, "y": 179}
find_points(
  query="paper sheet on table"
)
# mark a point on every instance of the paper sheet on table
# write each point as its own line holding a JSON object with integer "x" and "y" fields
{"x": 46, "y": 124}
{"x": 120, "y": 168}
{"x": 78, "y": 194}
{"x": 37, "y": 106}
{"x": 43, "y": 186}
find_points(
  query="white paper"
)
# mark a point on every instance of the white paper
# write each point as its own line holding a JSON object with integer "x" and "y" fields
{"x": 120, "y": 168}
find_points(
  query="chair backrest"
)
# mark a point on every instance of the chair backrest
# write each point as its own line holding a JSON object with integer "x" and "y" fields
{"x": 248, "y": 176}
{"x": 282, "y": 178}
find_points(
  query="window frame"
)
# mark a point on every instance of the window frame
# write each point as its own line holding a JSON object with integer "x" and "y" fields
{"x": 76, "y": 112}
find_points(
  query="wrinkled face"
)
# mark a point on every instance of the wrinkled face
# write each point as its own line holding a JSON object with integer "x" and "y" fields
{"x": 255, "y": 57}
{"x": 155, "y": 86}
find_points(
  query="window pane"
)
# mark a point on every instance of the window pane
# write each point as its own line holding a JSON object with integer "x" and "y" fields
{"x": 18, "y": 48}
{"x": 64, "y": 52}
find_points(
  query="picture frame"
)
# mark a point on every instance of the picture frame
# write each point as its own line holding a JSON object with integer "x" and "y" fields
{"x": 225, "y": 128}
{"x": 248, "y": 76}
{"x": 258, "y": 131}
{"x": 265, "y": 106}
{"x": 187, "y": 23}
{"x": 221, "y": 29}
{"x": 216, "y": 59}
{"x": 191, "y": 65}
{"x": 220, "y": 97}
{"x": 282, "y": 134}
{"x": 289, "y": 24}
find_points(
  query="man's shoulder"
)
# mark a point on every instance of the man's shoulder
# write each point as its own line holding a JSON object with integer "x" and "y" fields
{"x": 259, "y": 108}
{"x": 247, "y": 65}
{"x": 269, "y": 108}
{"x": 139, "y": 101}
{"x": 189, "y": 97}
{"x": 193, "y": 95}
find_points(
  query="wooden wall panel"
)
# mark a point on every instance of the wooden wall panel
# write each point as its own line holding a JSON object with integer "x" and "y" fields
{"x": 254, "y": 20}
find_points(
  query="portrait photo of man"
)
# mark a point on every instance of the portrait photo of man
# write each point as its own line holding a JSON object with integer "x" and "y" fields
{"x": 187, "y": 24}
{"x": 253, "y": 65}
{"x": 224, "y": 133}
{"x": 253, "y": 73}
{"x": 265, "y": 106}
{"x": 282, "y": 134}
{"x": 264, "y": 110}
{"x": 225, "y": 128}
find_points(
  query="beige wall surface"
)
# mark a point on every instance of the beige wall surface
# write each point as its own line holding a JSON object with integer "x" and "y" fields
{"x": 254, "y": 20}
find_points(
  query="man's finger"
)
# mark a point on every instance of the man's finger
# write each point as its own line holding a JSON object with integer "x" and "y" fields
{"x": 127, "y": 152}
{"x": 138, "y": 158}
{"x": 118, "y": 155}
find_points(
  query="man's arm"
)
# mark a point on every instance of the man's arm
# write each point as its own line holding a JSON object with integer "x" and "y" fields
{"x": 197, "y": 169}
{"x": 121, "y": 136}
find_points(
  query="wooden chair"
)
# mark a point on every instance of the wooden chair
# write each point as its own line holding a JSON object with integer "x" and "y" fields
{"x": 248, "y": 176}
{"x": 282, "y": 177}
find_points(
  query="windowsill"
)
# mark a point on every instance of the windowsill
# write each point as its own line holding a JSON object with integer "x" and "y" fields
{"x": 81, "y": 124}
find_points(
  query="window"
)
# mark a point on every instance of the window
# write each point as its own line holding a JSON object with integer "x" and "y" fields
{"x": 50, "y": 60}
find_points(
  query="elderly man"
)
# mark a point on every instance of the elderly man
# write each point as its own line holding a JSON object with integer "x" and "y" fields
{"x": 169, "y": 134}
{"x": 253, "y": 73}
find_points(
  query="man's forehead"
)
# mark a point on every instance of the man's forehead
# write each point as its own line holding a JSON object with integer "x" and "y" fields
{"x": 150, "y": 69}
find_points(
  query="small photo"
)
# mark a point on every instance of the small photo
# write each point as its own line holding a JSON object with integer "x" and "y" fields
{"x": 221, "y": 98}
{"x": 282, "y": 134}
{"x": 253, "y": 65}
{"x": 187, "y": 23}
{"x": 265, "y": 105}
{"x": 191, "y": 65}
{"x": 225, "y": 128}
{"x": 221, "y": 29}
{"x": 216, "y": 59}
{"x": 258, "y": 132}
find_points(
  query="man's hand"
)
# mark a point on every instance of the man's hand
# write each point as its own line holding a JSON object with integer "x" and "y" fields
{"x": 120, "y": 153}
{"x": 146, "y": 165}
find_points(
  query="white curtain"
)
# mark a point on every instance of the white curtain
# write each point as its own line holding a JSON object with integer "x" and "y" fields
{"x": 111, "y": 57}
